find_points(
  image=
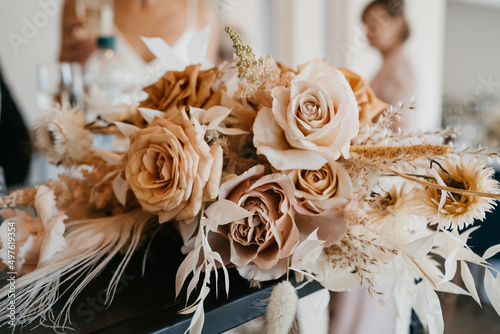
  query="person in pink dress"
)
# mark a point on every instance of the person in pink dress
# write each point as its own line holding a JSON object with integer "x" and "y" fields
{"x": 387, "y": 30}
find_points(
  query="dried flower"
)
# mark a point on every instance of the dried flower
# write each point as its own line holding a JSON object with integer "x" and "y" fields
{"x": 392, "y": 207}
{"x": 455, "y": 210}
{"x": 248, "y": 66}
{"x": 354, "y": 212}
{"x": 260, "y": 76}
{"x": 37, "y": 239}
{"x": 358, "y": 253}
{"x": 20, "y": 197}
{"x": 62, "y": 136}
{"x": 282, "y": 308}
{"x": 393, "y": 154}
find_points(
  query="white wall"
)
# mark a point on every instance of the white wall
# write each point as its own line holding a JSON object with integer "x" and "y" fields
{"x": 308, "y": 30}
{"x": 472, "y": 50}
{"x": 483, "y": 3}
{"x": 29, "y": 31}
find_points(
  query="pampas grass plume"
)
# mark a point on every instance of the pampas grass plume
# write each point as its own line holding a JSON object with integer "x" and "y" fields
{"x": 282, "y": 308}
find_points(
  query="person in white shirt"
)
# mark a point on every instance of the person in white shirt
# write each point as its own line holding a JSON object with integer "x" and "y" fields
{"x": 170, "y": 20}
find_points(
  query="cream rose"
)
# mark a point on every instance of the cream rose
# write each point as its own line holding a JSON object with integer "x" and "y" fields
{"x": 168, "y": 166}
{"x": 37, "y": 239}
{"x": 310, "y": 123}
{"x": 260, "y": 244}
{"x": 321, "y": 190}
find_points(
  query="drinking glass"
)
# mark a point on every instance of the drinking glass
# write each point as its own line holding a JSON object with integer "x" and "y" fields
{"x": 59, "y": 83}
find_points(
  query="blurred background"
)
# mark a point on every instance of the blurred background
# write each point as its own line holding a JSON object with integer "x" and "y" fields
{"x": 453, "y": 47}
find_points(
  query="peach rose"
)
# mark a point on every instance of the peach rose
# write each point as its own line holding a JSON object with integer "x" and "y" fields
{"x": 319, "y": 194}
{"x": 191, "y": 87}
{"x": 37, "y": 239}
{"x": 260, "y": 244}
{"x": 369, "y": 105}
{"x": 168, "y": 167}
{"x": 321, "y": 190}
{"x": 310, "y": 123}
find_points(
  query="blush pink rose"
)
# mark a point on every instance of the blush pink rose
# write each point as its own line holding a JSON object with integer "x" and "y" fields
{"x": 37, "y": 239}
{"x": 259, "y": 245}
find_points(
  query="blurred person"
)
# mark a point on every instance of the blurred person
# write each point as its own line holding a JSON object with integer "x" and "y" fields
{"x": 170, "y": 20}
{"x": 15, "y": 147}
{"x": 387, "y": 30}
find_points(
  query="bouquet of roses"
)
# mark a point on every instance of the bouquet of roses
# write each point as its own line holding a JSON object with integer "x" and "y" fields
{"x": 261, "y": 167}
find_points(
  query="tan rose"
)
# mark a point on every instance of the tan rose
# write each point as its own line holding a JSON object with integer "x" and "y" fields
{"x": 36, "y": 239}
{"x": 168, "y": 166}
{"x": 260, "y": 244}
{"x": 369, "y": 105}
{"x": 191, "y": 87}
{"x": 310, "y": 123}
{"x": 321, "y": 190}
{"x": 319, "y": 197}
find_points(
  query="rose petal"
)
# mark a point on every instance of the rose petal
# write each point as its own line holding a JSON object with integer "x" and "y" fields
{"x": 229, "y": 186}
{"x": 253, "y": 272}
{"x": 331, "y": 227}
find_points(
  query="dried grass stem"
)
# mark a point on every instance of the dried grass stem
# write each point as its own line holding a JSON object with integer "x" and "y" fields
{"x": 390, "y": 153}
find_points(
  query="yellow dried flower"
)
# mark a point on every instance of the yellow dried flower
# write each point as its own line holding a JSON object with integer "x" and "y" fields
{"x": 456, "y": 210}
{"x": 261, "y": 76}
{"x": 62, "y": 136}
{"x": 388, "y": 209}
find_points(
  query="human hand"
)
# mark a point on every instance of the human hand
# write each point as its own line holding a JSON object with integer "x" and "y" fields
{"x": 77, "y": 43}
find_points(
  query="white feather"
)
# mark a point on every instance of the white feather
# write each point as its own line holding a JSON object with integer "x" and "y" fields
{"x": 92, "y": 243}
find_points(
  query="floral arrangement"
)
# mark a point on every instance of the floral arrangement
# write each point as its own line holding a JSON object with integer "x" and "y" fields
{"x": 263, "y": 168}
